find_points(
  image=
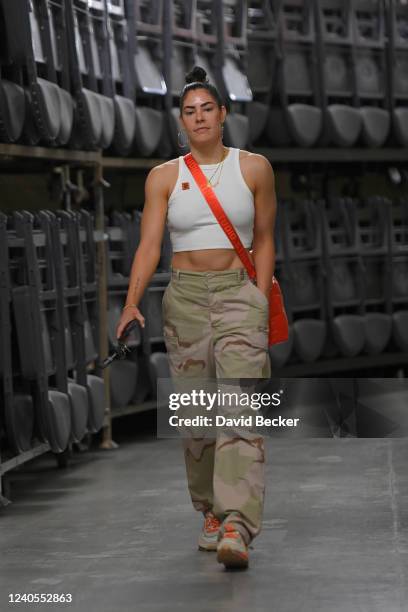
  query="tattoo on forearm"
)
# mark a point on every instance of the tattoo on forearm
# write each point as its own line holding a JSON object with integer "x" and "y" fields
{"x": 135, "y": 286}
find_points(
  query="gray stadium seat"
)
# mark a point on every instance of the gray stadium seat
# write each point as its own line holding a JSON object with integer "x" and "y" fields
{"x": 119, "y": 16}
{"x": 344, "y": 280}
{"x": 370, "y": 69}
{"x": 342, "y": 120}
{"x": 12, "y": 96}
{"x": 17, "y": 404}
{"x": 86, "y": 254}
{"x": 151, "y": 87}
{"x": 70, "y": 329}
{"x": 222, "y": 51}
{"x": 303, "y": 246}
{"x": 94, "y": 119}
{"x": 129, "y": 240}
{"x": 48, "y": 104}
{"x": 295, "y": 116}
{"x": 180, "y": 49}
{"x": 12, "y": 109}
{"x": 123, "y": 374}
{"x": 262, "y": 33}
{"x": 54, "y": 33}
{"x": 399, "y": 267}
{"x": 397, "y": 66}
{"x": 129, "y": 382}
{"x": 35, "y": 311}
{"x": 372, "y": 225}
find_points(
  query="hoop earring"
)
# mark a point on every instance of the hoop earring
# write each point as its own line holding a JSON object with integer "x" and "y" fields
{"x": 180, "y": 144}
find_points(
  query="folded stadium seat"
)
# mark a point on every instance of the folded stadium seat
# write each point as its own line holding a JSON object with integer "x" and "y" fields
{"x": 116, "y": 251}
{"x": 151, "y": 307}
{"x": 148, "y": 339}
{"x": 129, "y": 240}
{"x": 179, "y": 55}
{"x": 344, "y": 280}
{"x": 303, "y": 256}
{"x": 399, "y": 267}
{"x": 100, "y": 75}
{"x": 262, "y": 31}
{"x": 17, "y": 406}
{"x": 129, "y": 225}
{"x": 66, "y": 243}
{"x": 124, "y": 373}
{"x": 35, "y": 315}
{"x": 342, "y": 121}
{"x": 63, "y": 268}
{"x": 12, "y": 108}
{"x": 146, "y": 31}
{"x": 126, "y": 230}
{"x": 33, "y": 63}
{"x": 280, "y": 353}
{"x": 128, "y": 380}
{"x": 94, "y": 117}
{"x": 295, "y": 116}
{"x": 222, "y": 46}
{"x": 86, "y": 254}
{"x": 369, "y": 64}
{"x": 119, "y": 15}
{"x": 124, "y": 239}
{"x": 54, "y": 31}
{"x": 12, "y": 97}
{"x": 397, "y": 13}
{"x": 372, "y": 223}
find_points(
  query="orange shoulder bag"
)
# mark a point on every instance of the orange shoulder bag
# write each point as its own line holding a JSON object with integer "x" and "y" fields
{"x": 278, "y": 322}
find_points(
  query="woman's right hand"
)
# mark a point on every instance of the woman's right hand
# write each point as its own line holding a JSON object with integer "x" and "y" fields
{"x": 129, "y": 314}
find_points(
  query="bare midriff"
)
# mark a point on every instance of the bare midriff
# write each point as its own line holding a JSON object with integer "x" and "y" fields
{"x": 208, "y": 259}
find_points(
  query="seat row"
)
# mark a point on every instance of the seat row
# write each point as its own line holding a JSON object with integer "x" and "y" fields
{"x": 134, "y": 380}
{"x": 96, "y": 74}
{"x": 329, "y": 72}
{"x": 343, "y": 268}
{"x": 49, "y": 332}
{"x": 342, "y": 264}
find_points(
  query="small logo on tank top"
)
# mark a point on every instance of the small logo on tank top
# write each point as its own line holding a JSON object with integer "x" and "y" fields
{"x": 185, "y": 186}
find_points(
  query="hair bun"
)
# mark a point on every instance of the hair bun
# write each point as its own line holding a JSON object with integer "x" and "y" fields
{"x": 197, "y": 75}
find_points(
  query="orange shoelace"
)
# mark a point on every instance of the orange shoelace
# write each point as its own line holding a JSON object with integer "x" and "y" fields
{"x": 231, "y": 532}
{"x": 211, "y": 522}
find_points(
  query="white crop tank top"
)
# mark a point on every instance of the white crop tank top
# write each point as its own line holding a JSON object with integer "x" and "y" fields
{"x": 190, "y": 221}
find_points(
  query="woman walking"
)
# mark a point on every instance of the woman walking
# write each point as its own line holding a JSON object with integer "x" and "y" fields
{"x": 215, "y": 318}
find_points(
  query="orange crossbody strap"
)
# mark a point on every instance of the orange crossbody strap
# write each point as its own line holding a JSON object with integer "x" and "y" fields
{"x": 278, "y": 322}
{"x": 219, "y": 213}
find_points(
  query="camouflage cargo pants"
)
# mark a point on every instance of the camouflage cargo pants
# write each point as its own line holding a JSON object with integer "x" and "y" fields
{"x": 216, "y": 326}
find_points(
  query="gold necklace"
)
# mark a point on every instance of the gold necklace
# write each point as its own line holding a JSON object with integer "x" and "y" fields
{"x": 220, "y": 165}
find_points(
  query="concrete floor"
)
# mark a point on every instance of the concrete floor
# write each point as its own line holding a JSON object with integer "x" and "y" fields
{"x": 117, "y": 530}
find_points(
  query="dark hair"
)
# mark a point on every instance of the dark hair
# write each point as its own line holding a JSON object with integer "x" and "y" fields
{"x": 196, "y": 79}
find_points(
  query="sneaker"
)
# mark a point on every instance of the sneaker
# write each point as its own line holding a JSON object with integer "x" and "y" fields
{"x": 232, "y": 550}
{"x": 209, "y": 535}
